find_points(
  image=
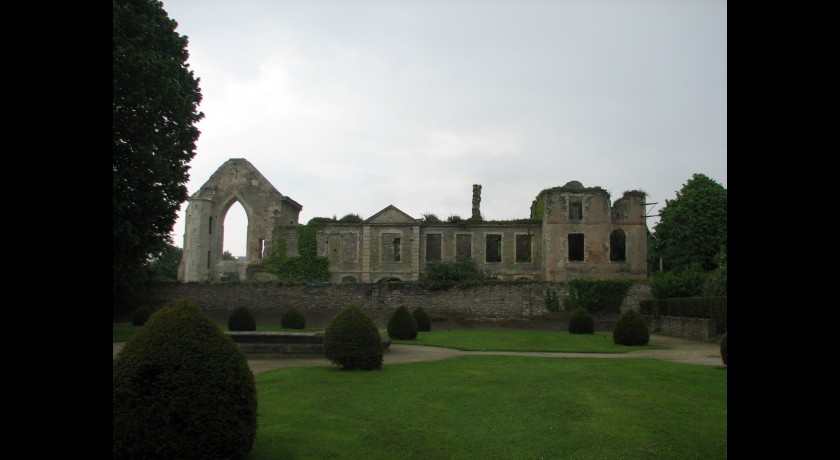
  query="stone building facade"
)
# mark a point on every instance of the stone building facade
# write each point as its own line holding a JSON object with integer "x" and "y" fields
{"x": 573, "y": 232}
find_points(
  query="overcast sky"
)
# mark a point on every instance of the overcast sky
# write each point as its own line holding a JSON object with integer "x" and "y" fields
{"x": 350, "y": 106}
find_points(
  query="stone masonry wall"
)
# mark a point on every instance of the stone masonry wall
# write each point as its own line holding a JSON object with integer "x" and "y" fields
{"x": 687, "y": 328}
{"x": 497, "y": 301}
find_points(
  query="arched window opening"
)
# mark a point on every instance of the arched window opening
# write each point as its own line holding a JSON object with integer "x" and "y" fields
{"x": 235, "y": 231}
{"x": 618, "y": 246}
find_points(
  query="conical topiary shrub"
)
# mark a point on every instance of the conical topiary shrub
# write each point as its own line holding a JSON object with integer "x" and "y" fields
{"x": 293, "y": 319}
{"x": 242, "y": 320}
{"x": 723, "y": 348}
{"x": 141, "y": 315}
{"x": 424, "y": 323}
{"x": 182, "y": 389}
{"x": 630, "y": 329}
{"x": 402, "y": 325}
{"x": 581, "y": 322}
{"x": 352, "y": 340}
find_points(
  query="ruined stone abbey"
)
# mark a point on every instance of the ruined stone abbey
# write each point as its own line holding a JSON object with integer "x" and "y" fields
{"x": 573, "y": 232}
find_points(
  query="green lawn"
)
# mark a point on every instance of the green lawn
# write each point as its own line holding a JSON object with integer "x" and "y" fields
{"x": 522, "y": 340}
{"x": 476, "y": 340}
{"x": 480, "y": 407}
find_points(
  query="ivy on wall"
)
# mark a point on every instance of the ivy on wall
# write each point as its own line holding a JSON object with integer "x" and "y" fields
{"x": 307, "y": 266}
{"x": 597, "y": 295}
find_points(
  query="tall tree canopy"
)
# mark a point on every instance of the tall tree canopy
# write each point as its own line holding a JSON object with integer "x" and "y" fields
{"x": 156, "y": 99}
{"x": 692, "y": 227}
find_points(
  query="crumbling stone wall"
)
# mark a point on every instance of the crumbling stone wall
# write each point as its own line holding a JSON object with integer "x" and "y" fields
{"x": 235, "y": 181}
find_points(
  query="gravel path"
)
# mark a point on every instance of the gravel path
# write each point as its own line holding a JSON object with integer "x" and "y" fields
{"x": 678, "y": 351}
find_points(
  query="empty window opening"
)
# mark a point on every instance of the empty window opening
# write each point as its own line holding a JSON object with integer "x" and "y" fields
{"x": 575, "y": 208}
{"x": 494, "y": 248}
{"x": 262, "y": 249}
{"x": 235, "y": 232}
{"x": 433, "y": 249}
{"x": 523, "y": 248}
{"x": 210, "y": 226}
{"x": 576, "y": 246}
{"x": 618, "y": 246}
{"x": 391, "y": 250}
{"x": 463, "y": 246}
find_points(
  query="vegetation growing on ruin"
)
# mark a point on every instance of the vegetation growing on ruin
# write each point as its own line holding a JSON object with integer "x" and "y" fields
{"x": 307, "y": 266}
{"x": 597, "y": 295}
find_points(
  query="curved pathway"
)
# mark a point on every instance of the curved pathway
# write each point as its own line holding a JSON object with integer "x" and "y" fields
{"x": 678, "y": 351}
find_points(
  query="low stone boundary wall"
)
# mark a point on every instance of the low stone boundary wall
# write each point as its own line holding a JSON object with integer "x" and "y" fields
{"x": 285, "y": 343}
{"x": 485, "y": 302}
{"x": 686, "y": 328}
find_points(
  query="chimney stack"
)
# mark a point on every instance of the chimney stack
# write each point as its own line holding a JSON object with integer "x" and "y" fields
{"x": 476, "y": 201}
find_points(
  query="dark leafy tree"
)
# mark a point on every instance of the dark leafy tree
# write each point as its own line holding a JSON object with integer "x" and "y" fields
{"x": 227, "y": 256}
{"x": 165, "y": 266}
{"x": 692, "y": 227}
{"x": 155, "y": 108}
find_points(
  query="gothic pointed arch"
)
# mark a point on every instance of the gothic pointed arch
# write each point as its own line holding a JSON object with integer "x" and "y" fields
{"x": 237, "y": 180}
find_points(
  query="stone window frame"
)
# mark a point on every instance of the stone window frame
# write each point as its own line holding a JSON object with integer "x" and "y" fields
{"x": 426, "y": 247}
{"x": 516, "y": 248}
{"x": 501, "y": 236}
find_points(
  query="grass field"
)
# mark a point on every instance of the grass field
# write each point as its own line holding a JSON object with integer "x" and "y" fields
{"x": 481, "y": 407}
{"x": 494, "y": 407}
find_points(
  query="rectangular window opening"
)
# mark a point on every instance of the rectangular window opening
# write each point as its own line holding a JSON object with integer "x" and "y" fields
{"x": 576, "y": 246}
{"x": 210, "y": 226}
{"x": 396, "y": 249}
{"x": 433, "y": 248}
{"x": 575, "y": 208}
{"x": 463, "y": 246}
{"x": 523, "y": 248}
{"x": 494, "y": 248}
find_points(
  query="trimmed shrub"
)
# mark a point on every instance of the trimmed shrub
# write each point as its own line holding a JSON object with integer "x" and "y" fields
{"x": 141, "y": 315}
{"x": 352, "y": 340}
{"x": 424, "y": 322}
{"x": 723, "y": 348}
{"x": 182, "y": 389}
{"x": 242, "y": 320}
{"x": 581, "y": 322}
{"x": 630, "y": 329}
{"x": 293, "y": 319}
{"x": 402, "y": 325}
